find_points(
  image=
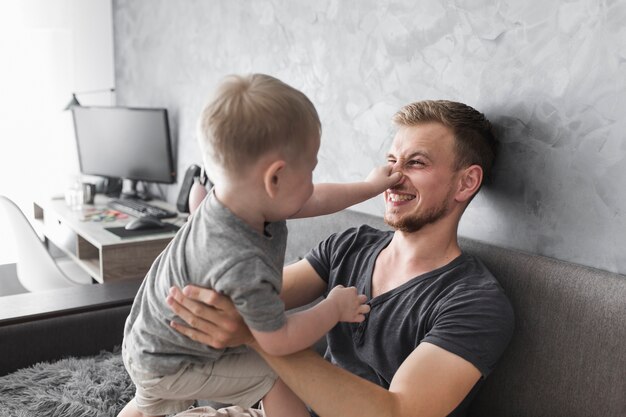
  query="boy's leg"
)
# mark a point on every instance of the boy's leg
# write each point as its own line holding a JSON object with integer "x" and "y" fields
{"x": 280, "y": 401}
{"x": 157, "y": 395}
{"x": 130, "y": 410}
{"x": 238, "y": 379}
{"x": 234, "y": 411}
{"x": 241, "y": 379}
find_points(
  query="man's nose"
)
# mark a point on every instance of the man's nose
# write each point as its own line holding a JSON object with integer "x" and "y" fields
{"x": 397, "y": 167}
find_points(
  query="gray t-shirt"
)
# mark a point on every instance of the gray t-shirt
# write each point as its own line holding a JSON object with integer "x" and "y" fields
{"x": 215, "y": 249}
{"x": 459, "y": 307}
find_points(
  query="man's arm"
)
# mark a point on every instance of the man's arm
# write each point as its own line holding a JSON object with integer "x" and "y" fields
{"x": 430, "y": 383}
{"x": 301, "y": 285}
{"x": 330, "y": 198}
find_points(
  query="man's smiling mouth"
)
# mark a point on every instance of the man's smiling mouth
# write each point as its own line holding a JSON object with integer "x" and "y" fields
{"x": 395, "y": 197}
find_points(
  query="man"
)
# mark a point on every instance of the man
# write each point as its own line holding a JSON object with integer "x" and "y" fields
{"x": 439, "y": 320}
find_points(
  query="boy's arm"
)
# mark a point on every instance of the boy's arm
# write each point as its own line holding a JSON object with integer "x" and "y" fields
{"x": 304, "y": 328}
{"x": 329, "y": 198}
{"x": 212, "y": 318}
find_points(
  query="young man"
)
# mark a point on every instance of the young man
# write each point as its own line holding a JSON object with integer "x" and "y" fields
{"x": 439, "y": 320}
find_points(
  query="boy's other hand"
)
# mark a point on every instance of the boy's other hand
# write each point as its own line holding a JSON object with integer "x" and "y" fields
{"x": 382, "y": 178}
{"x": 211, "y": 318}
{"x": 350, "y": 305}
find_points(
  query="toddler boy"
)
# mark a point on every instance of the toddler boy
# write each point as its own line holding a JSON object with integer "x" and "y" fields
{"x": 260, "y": 139}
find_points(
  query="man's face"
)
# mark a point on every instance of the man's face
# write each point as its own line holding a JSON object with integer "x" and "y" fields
{"x": 424, "y": 154}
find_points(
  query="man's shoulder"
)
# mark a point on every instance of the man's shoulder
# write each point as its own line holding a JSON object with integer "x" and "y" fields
{"x": 471, "y": 270}
{"x": 473, "y": 282}
{"x": 467, "y": 276}
{"x": 473, "y": 318}
{"x": 357, "y": 239}
{"x": 346, "y": 248}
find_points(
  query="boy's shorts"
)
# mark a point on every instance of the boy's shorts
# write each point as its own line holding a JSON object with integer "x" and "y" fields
{"x": 238, "y": 379}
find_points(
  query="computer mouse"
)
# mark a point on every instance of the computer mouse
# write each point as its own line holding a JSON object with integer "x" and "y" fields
{"x": 145, "y": 223}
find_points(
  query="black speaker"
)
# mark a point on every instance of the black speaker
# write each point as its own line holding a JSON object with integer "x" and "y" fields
{"x": 182, "y": 202}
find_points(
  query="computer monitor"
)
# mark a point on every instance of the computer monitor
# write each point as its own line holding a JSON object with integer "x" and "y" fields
{"x": 124, "y": 143}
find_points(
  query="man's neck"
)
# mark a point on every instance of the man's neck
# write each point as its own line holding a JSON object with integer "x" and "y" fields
{"x": 426, "y": 249}
{"x": 409, "y": 255}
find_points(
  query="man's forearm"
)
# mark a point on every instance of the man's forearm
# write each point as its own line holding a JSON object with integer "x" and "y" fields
{"x": 331, "y": 391}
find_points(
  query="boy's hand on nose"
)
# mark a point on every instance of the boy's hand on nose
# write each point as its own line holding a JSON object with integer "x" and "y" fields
{"x": 383, "y": 178}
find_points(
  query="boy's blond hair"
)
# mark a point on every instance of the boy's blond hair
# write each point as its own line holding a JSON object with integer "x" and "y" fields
{"x": 252, "y": 115}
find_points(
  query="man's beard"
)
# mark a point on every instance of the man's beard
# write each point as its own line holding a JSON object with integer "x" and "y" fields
{"x": 412, "y": 222}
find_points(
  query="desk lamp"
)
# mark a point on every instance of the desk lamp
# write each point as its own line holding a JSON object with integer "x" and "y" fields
{"x": 74, "y": 101}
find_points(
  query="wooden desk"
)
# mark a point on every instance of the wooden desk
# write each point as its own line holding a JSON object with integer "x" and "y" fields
{"x": 105, "y": 256}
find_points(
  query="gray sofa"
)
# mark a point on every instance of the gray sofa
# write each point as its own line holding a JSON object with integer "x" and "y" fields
{"x": 567, "y": 356}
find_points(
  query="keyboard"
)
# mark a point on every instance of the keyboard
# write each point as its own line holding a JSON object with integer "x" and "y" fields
{"x": 139, "y": 208}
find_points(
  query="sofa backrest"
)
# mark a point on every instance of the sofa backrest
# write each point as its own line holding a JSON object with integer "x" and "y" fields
{"x": 568, "y": 353}
{"x": 75, "y": 321}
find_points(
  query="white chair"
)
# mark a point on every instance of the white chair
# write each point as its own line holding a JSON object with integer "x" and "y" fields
{"x": 37, "y": 270}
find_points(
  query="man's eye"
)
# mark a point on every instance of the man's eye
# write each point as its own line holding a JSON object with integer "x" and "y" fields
{"x": 415, "y": 162}
{"x": 391, "y": 161}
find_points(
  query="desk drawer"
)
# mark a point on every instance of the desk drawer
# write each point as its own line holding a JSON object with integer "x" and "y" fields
{"x": 61, "y": 235}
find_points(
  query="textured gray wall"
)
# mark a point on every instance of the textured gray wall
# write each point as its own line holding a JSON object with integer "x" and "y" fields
{"x": 550, "y": 74}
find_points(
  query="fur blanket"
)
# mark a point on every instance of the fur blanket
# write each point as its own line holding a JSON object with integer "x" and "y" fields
{"x": 95, "y": 386}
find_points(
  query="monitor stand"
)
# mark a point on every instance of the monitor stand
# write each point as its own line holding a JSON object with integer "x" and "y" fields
{"x": 129, "y": 190}
{"x": 112, "y": 187}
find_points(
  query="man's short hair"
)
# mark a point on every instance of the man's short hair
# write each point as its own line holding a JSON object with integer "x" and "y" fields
{"x": 252, "y": 115}
{"x": 473, "y": 133}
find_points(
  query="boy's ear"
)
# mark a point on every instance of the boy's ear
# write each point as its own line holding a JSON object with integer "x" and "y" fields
{"x": 469, "y": 183}
{"x": 272, "y": 177}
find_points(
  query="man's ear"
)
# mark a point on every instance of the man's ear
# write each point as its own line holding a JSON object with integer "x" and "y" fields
{"x": 469, "y": 182}
{"x": 272, "y": 177}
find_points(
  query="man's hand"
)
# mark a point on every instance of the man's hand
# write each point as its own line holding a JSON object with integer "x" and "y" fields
{"x": 350, "y": 305}
{"x": 211, "y": 318}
